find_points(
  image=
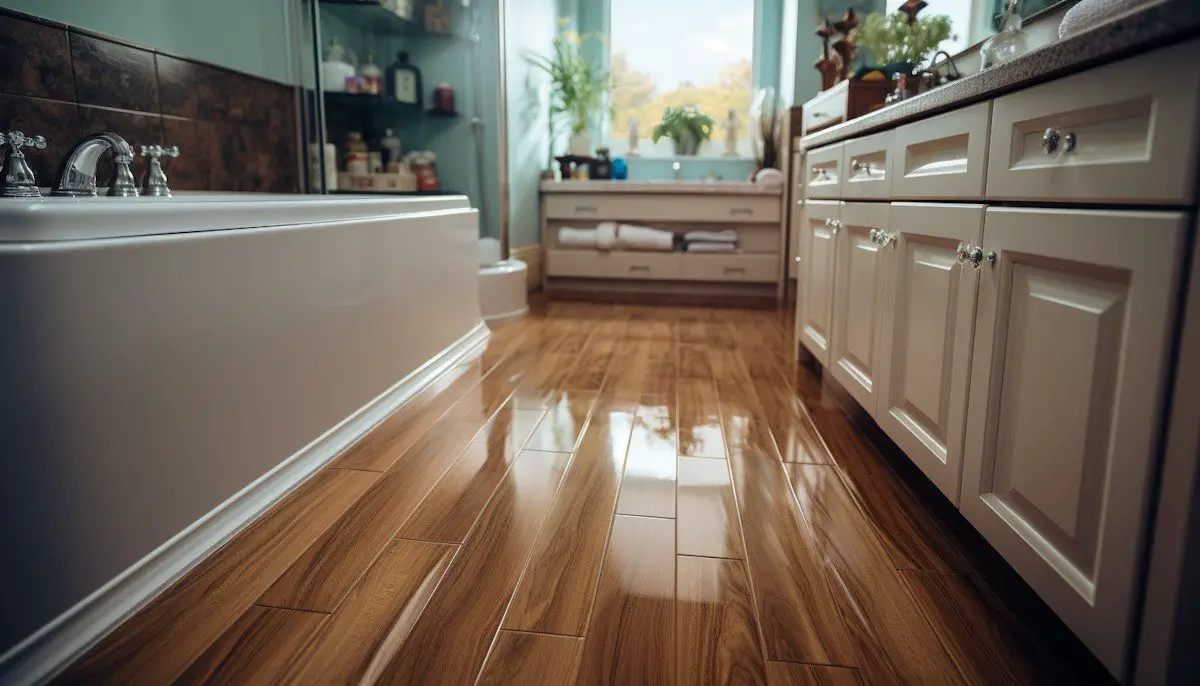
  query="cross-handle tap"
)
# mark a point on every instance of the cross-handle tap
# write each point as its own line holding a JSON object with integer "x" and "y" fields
{"x": 77, "y": 175}
{"x": 155, "y": 182}
{"x": 18, "y": 180}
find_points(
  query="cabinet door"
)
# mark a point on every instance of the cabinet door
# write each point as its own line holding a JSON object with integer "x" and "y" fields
{"x": 820, "y": 228}
{"x": 857, "y": 300}
{"x": 1072, "y": 334}
{"x": 926, "y": 343}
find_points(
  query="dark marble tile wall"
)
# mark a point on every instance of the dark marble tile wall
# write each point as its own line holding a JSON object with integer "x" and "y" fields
{"x": 235, "y": 132}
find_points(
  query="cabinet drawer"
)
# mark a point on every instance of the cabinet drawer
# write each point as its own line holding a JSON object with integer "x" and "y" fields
{"x": 827, "y": 109}
{"x": 866, "y": 166}
{"x": 942, "y": 157}
{"x": 824, "y": 172}
{"x": 1121, "y": 133}
{"x": 613, "y": 265}
{"x": 744, "y": 268}
{"x": 663, "y": 207}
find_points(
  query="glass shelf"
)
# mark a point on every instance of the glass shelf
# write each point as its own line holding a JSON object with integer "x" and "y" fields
{"x": 382, "y": 102}
{"x": 373, "y": 17}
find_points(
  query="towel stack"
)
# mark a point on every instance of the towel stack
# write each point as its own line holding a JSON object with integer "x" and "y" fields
{"x": 610, "y": 235}
{"x": 711, "y": 241}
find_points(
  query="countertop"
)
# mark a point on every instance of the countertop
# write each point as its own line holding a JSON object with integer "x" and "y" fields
{"x": 665, "y": 186}
{"x": 1153, "y": 26}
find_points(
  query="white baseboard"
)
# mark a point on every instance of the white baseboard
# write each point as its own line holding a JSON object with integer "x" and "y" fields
{"x": 72, "y": 633}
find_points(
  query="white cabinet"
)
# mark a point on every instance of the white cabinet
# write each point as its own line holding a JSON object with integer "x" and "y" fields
{"x": 819, "y": 230}
{"x": 928, "y": 317}
{"x": 943, "y": 156}
{"x": 824, "y": 173}
{"x": 1122, "y": 133}
{"x": 1072, "y": 335}
{"x": 867, "y": 167}
{"x": 858, "y": 299}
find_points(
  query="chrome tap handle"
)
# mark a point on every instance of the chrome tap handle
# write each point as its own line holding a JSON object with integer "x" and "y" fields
{"x": 17, "y": 180}
{"x": 155, "y": 182}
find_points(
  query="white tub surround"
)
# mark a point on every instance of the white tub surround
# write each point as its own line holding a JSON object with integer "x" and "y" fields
{"x": 161, "y": 391}
{"x": 753, "y": 211}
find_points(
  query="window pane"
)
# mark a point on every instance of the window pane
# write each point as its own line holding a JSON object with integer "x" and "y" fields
{"x": 668, "y": 53}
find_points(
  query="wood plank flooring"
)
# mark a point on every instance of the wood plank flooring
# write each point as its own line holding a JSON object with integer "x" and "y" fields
{"x": 602, "y": 494}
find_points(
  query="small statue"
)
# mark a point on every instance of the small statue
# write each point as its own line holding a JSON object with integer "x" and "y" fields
{"x": 731, "y": 132}
{"x": 633, "y": 138}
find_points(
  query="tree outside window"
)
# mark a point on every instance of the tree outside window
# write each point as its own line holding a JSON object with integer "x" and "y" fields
{"x": 670, "y": 53}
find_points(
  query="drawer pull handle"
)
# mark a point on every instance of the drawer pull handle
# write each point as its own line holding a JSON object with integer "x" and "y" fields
{"x": 741, "y": 211}
{"x": 585, "y": 208}
{"x": 821, "y": 174}
{"x": 864, "y": 167}
{"x": 735, "y": 270}
{"x": 820, "y": 115}
{"x": 1056, "y": 143}
{"x": 639, "y": 268}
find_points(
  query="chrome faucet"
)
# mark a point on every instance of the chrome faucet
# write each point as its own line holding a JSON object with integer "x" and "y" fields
{"x": 155, "y": 182}
{"x": 17, "y": 179}
{"x": 77, "y": 175}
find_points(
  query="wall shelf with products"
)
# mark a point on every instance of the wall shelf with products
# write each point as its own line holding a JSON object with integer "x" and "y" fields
{"x": 375, "y": 17}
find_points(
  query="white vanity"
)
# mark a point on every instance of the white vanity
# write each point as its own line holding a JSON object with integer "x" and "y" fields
{"x": 754, "y": 211}
{"x": 999, "y": 286}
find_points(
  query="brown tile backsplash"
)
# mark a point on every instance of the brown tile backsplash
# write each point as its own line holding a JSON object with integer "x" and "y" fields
{"x": 235, "y": 132}
{"x": 35, "y": 60}
{"x": 113, "y": 75}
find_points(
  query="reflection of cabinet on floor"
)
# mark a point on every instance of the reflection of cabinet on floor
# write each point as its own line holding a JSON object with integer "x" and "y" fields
{"x": 1019, "y": 356}
{"x": 754, "y": 212}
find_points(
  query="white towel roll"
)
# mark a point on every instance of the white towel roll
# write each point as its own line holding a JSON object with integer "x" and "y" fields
{"x": 606, "y": 236}
{"x": 630, "y": 237}
{"x": 576, "y": 238}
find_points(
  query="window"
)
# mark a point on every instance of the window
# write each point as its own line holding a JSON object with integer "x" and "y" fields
{"x": 669, "y": 53}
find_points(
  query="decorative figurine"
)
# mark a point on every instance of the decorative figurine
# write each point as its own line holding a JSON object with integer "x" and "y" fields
{"x": 827, "y": 65}
{"x": 911, "y": 8}
{"x": 633, "y": 138}
{"x": 844, "y": 46}
{"x": 731, "y": 131}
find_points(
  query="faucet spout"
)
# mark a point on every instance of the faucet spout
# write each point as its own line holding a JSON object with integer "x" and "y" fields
{"x": 77, "y": 175}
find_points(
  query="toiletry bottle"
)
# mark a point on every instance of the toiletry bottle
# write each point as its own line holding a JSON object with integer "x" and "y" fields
{"x": 391, "y": 150}
{"x": 372, "y": 76}
{"x": 405, "y": 81}
{"x": 335, "y": 68}
{"x": 357, "y": 159}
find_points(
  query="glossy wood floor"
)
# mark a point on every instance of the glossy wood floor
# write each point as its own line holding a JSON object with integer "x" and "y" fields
{"x": 606, "y": 494}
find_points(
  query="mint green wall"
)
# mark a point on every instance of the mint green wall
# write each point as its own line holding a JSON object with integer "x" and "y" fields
{"x": 530, "y": 28}
{"x": 246, "y": 35}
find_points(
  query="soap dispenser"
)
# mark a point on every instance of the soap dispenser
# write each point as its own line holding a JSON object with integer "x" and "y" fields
{"x": 404, "y": 81}
{"x": 335, "y": 68}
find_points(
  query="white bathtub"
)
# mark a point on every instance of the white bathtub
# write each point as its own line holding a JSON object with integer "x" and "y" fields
{"x": 170, "y": 367}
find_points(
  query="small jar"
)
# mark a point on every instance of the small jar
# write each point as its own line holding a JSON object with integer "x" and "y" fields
{"x": 443, "y": 98}
{"x": 601, "y": 167}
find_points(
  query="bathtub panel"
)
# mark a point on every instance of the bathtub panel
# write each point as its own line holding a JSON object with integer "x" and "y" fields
{"x": 144, "y": 381}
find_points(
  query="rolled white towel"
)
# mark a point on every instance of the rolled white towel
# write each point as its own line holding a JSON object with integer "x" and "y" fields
{"x": 606, "y": 235}
{"x": 725, "y": 236}
{"x": 576, "y": 238}
{"x": 630, "y": 237}
{"x": 711, "y": 247}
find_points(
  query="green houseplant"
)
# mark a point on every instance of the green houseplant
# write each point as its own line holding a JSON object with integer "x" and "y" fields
{"x": 897, "y": 41}
{"x": 578, "y": 89}
{"x": 687, "y": 126}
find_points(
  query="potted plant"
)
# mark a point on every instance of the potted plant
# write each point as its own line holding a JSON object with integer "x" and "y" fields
{"x": 900, "y": 41}
{"x": 687, "y": 126}
{"x": 577, "y": 88}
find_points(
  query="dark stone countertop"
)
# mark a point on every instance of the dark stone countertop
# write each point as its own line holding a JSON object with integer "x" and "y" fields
{"x": 1153, "y": 26}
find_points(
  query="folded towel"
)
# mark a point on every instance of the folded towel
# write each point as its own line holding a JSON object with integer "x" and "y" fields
{"x": 576, "y": 238}
{"x": 711, "y": 247}
{"x": 630, "y": 237}
{"x": 726, "y": 236}
{"x": 606, "y": 235}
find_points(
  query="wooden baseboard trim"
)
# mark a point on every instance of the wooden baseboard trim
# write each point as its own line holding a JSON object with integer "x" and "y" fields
{"x": 72, "y": 633}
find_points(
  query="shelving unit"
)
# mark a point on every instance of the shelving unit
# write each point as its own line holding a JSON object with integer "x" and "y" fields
{"x": 461, "y": 140}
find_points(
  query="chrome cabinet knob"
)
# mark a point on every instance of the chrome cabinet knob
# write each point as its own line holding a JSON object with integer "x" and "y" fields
{"x": 828, "y": 223}
{"x": 885, "y": 238}
{"x": 1055, "y": 143}
{"x": 857, "y": 166}
{"x": 974, "y": 256}
{"x": 797, "y": 259}
{"x": 874, "y": 234}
